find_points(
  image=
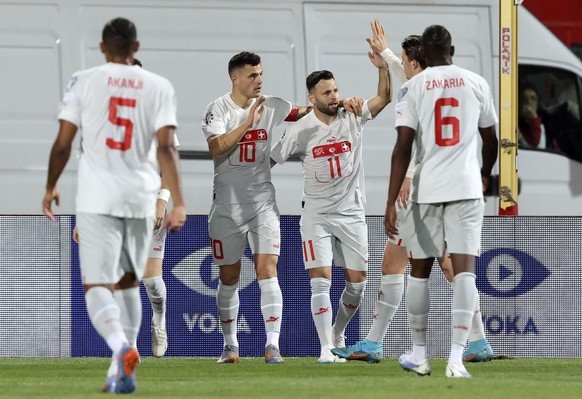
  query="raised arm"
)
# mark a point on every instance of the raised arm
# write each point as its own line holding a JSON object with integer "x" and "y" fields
{"x": 384, "y": 95}
{"x": 379, "y": 45}
{"x": 220, "y": 144}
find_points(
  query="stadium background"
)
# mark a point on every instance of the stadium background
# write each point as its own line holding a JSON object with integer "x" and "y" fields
{"x": 527, "y": 278}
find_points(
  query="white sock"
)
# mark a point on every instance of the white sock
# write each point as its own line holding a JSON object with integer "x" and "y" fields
{"x": 463, "y": 309}
{"x": 104, "y": 315}
{"x": 418, "y": 305}
{"x": 477, "y": 329}
{"x": 271, "y": 308}
{"x": 228, "y": 303}
{"x": 156, "y": 290}
{"x": 389, "y": 297}
{"x": 129, "y": 302}
{"x": 348, "y": 304}
{"x": 321, "y": 309}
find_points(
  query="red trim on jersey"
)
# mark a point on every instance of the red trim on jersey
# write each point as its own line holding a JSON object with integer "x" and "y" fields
{"x": 254, "y": 135}
{"x": 331, "y": 149}
{"x": 293, "y": 115}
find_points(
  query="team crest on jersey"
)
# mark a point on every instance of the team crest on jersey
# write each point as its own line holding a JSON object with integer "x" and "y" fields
{"x": 208, "y": 117}
{"x": 71, "y": 82}
{"x": 402, "y": 93}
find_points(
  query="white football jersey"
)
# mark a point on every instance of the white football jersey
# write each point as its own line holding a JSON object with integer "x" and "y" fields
{"x": 118, "y": 109}
{"x": 446, "y": 105}
{"x": 244, "y": 175}
{"x": 332, "y": 160}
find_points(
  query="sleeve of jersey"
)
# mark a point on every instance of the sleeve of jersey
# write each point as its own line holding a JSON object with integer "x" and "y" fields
{"x": 167, "y": 108}
{"x": 395, "y": 64}
{"x": 366, "y": 114}
{"x": 212, "y": 121}
{"x": 285, "y": 147}
{"x": 282, "y": 109}
{"x": 71, "y": 106}
{"x": 176, "y": 142}
{"x": 405, "y": 110}
{"x": 488, "y": 115}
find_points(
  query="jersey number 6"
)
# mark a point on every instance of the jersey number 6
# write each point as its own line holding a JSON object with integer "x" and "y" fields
{"x": 440, "y": 121}
{"x": 115, "y": 102}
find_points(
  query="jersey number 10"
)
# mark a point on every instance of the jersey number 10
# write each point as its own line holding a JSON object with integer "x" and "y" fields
{"x": 115, "y": 102}
{"x": 440, "y": 121}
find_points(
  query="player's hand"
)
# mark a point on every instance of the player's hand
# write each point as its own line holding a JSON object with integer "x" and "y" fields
{"x": 256, "y": 110}
{"x": 76, "y": 234}
{"x": 160, "y": 213}
{"x": 404, "y": 194}
{"x": 176, "y": 219}
{"x": 378, "y": 42}
{"x": 49, "y": 197}
{"x": 390, "y": 225}
{"x": 377, "y": 60}
{"x": 354, "y": 105}
{"x": 529, "y": 112}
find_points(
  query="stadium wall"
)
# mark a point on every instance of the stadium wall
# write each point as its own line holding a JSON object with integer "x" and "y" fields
{"x": 528, "y": 276}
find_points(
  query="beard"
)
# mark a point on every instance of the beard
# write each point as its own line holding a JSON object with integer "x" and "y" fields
{"x": 326, "y": 109}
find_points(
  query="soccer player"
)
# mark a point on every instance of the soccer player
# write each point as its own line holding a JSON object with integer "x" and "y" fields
{"x": 446, "y": 107}
{"x": 333, "y": 226}
{"x": 395, "y": 254}
{"x": 238, "y": 127}
{"x": 120, "y": 109}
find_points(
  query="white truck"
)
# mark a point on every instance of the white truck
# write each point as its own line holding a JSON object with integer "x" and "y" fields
{"x": 190, "y": 41}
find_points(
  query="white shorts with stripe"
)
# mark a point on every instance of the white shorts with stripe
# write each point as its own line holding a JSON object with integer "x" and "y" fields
{"x": 231, "y": 227}
{"x": 158, "y": 245}
{"x": 110, "y": 246}
{"x": 427, "y": 226}
{"x": 341, "y": 238}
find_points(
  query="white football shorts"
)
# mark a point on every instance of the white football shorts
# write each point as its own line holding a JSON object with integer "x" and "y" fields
{"x": 427, "y": 226}
{"x": 231, "y": 227}
{"x": 341, "y": 238}
{"x": 111, "y": 246}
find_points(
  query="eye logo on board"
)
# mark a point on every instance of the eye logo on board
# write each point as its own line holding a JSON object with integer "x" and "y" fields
{"x": 505, "y": 272}
{"x": 197, "y": 272}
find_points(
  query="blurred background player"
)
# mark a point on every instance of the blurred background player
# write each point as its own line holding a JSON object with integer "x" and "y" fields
{"x": 238, "y": 128}
{"x": 120, "y": 109}
{"x": 333, "y": 225}
{"x": 451, "y": 106}
{"x": 395, "y": 257}
{"x": 152, "y": 278}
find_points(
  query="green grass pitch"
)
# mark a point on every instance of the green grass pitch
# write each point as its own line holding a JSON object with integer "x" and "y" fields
{"x": 298, "y": 378}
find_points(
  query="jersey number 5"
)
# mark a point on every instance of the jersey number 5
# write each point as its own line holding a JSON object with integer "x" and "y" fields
{"x": 115, "y": 102}
{"x": 440, "y": 121}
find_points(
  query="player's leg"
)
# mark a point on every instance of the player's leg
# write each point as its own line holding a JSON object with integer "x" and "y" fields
{"x": 264, "y": 239}
{"x": 478, "y": 349}
{"x": 463, "y": 221}
{"x": 156, "y": 290}
{"x": 423, "y": 233}
{"x": 317, "y": 257}
{"x": 228, "y": 240}
{"x": 350, "y": 249}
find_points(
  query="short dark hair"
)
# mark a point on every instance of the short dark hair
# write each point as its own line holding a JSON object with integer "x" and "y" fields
{"x": 412, "y": 46}
{"x": 315, "y": 77}
{"x": 119, "y": 35}
{"x": 436, "y": 39}
{"x": 242, "y": 59}
{"x": 137, "y": 62}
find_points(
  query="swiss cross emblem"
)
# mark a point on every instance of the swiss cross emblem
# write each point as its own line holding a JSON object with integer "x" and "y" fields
{"x": 261, "y": 135}
{"x": 345, "y": 147}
